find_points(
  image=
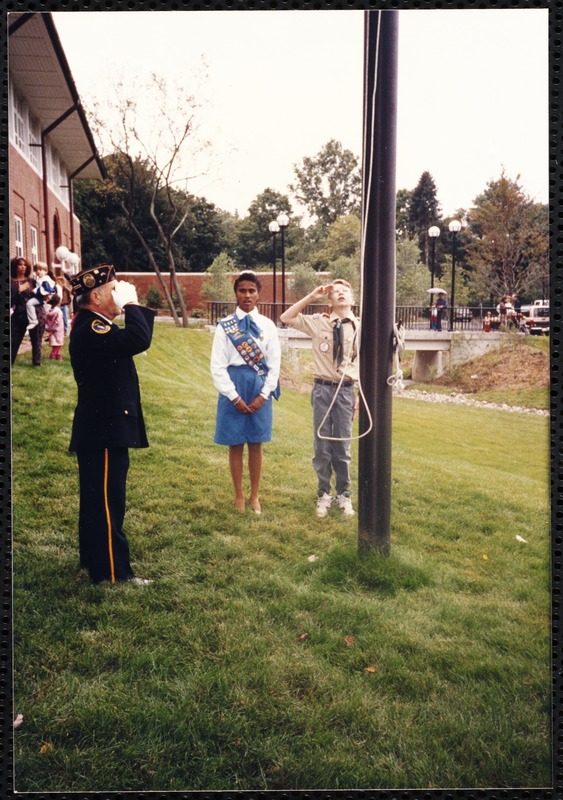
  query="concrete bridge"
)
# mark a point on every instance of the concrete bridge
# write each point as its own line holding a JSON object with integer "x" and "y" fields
{"x": 458, "y": 345}
{"x": 429, "y": 347}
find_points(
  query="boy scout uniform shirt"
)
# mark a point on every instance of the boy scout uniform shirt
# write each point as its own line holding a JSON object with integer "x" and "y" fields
{"x": 108, "y": 412}
{"x": 320, "y": 328}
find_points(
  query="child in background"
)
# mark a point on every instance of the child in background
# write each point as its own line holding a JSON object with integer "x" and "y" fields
{"x": 45, "y": 288}
{"x": 54, "y": 325}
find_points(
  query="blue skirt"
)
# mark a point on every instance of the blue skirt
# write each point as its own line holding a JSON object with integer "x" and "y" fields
{"x": 232, "y": 428}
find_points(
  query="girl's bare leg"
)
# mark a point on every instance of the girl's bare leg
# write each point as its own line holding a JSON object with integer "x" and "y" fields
{"x": 235, "y": 464}
{"x": 255, "y": 472}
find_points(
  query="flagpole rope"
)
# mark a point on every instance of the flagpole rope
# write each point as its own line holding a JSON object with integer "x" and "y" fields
{"x": 367, "y": 195}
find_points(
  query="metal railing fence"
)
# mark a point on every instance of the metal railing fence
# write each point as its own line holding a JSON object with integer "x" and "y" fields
{"x": 412, "y": 317}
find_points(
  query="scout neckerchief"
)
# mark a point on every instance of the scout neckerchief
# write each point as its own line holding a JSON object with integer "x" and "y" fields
{"x": 338, "y": 339}
{"x": 239, "y": 332}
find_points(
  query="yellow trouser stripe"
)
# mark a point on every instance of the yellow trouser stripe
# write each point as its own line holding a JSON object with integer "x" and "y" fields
{"x": 108, "y": 517}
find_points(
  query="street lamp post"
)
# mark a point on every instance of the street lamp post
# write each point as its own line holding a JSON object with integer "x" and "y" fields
{"x": 455, "y": 227}
{"x": 283, "y": 222}
{"x": 433, "y": 232}
{"x": 274, "y": 229}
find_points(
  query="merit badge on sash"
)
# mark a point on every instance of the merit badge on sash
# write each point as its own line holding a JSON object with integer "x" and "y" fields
{"x": 245, "y": 345}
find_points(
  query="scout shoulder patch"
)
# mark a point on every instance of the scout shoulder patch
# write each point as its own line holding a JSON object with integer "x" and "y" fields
{"x": 99, "y": 326}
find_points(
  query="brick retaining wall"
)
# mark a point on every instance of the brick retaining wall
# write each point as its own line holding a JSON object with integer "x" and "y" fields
{"x": 192, "y": 282}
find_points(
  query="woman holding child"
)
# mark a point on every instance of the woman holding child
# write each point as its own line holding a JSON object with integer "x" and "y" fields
{"x": 22, "y": 287}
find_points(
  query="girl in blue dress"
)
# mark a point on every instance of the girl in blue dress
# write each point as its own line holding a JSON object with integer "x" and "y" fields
{"x": 245, "y": 366}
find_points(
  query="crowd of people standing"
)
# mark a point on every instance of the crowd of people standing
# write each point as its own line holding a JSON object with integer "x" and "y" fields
{"x": 39, "y": 305}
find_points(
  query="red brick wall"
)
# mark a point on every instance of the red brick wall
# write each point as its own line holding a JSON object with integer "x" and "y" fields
{"x": 192, "y": 282}
{"x": 26, "y": 200}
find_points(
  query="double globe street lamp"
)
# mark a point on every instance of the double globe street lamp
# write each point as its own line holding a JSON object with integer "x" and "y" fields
{"x": 283, "y": 222}
{"x": 277, "y": 225}
{"x": 433, "y": 233}
{"x": 274, "y": 229}
{"x": 454, "y": 227}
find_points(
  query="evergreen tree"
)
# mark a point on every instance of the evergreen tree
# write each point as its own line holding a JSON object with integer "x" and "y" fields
{"x": 423, "y": 211}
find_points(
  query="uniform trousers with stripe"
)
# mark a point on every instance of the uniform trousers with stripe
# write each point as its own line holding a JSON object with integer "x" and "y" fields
{"x": 104, "y": 550}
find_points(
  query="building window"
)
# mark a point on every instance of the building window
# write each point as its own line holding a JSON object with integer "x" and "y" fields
{"x": 20, "y": 123}
{"x": 34, "y": 245}
{"x": 18, "y": 227}
{"x": 35, "y": 144}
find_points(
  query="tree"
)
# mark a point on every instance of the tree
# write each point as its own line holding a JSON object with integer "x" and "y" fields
{"x": 412, "y": 275}
{"x": 201, "y": 238}
{"x": 106, "y": 233}
{"x": 423, "y": 211}
{"x": 509, "y": 246}
{"x": 303, "y": 280}
{"x": 402, "y": 213}
{"x": 253, "y": 240}
{"x": 329, "y": 185}
{"x": 342, "y": 239}
{"x": 218, "y": 284}
{"x": 162, "y": 151}
{"x": 347, "y": 268}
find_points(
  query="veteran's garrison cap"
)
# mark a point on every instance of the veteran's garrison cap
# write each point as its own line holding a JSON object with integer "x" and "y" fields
{"x": 92, "y": 278}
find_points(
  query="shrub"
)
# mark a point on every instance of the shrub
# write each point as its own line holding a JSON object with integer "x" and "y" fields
{"x": 218, "y": 284}
{"x": 154, "y": 297}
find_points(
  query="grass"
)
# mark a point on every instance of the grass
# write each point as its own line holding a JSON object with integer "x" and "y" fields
{"x": 248, "y": 665}
{"x": 524, "y": 385}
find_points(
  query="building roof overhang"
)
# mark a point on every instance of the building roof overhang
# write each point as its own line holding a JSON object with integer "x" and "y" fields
{"x": 41, "y": 74}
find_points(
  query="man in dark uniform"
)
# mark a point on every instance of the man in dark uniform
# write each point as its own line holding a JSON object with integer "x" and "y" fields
{"x": 108, "y": 418}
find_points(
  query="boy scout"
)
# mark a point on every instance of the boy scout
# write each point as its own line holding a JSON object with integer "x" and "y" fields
{"x": 335, "y": 338}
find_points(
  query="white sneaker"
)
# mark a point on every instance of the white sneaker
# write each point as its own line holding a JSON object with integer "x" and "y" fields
{"x": 345, "y": 505}
{"x": 140, "y": 581}
{"x": 324, "y": 502}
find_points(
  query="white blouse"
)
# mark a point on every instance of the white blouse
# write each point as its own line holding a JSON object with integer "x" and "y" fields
{"x": 224, "y": 354}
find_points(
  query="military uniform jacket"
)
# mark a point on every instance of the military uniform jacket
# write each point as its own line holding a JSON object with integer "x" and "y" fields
{"x": 108, "y": 412}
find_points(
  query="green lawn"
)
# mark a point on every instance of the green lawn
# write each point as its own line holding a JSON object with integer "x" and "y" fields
{"x": 248, "y": 664}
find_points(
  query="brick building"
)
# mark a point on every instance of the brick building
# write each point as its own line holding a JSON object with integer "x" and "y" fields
{"x": 50, "y": 142}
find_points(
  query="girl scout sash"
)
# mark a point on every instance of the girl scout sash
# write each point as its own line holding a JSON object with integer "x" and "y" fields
{"x": 245, "y": 345}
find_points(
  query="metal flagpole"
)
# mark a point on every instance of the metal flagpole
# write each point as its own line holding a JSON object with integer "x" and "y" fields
{"x": 378, "y": 289}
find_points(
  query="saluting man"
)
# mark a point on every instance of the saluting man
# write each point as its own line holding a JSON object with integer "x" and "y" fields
{"x": 108, "y": 418}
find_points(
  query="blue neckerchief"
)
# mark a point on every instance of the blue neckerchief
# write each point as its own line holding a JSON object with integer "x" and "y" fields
{"x": 248, "y": 325}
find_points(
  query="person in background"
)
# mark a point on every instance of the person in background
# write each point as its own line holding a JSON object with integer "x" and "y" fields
{"x": 335, "y": 367}
{"x": 22, "y": 285}
{"x": 45, "y": 289}
{"x": 502, "y": 311}
{"x": 65, "y": 291}
{"x": 245, "y": 367}
{"x": 441, "y": 306}
{"x": 54, "y": 326}
{"x": 108, "y": 418}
